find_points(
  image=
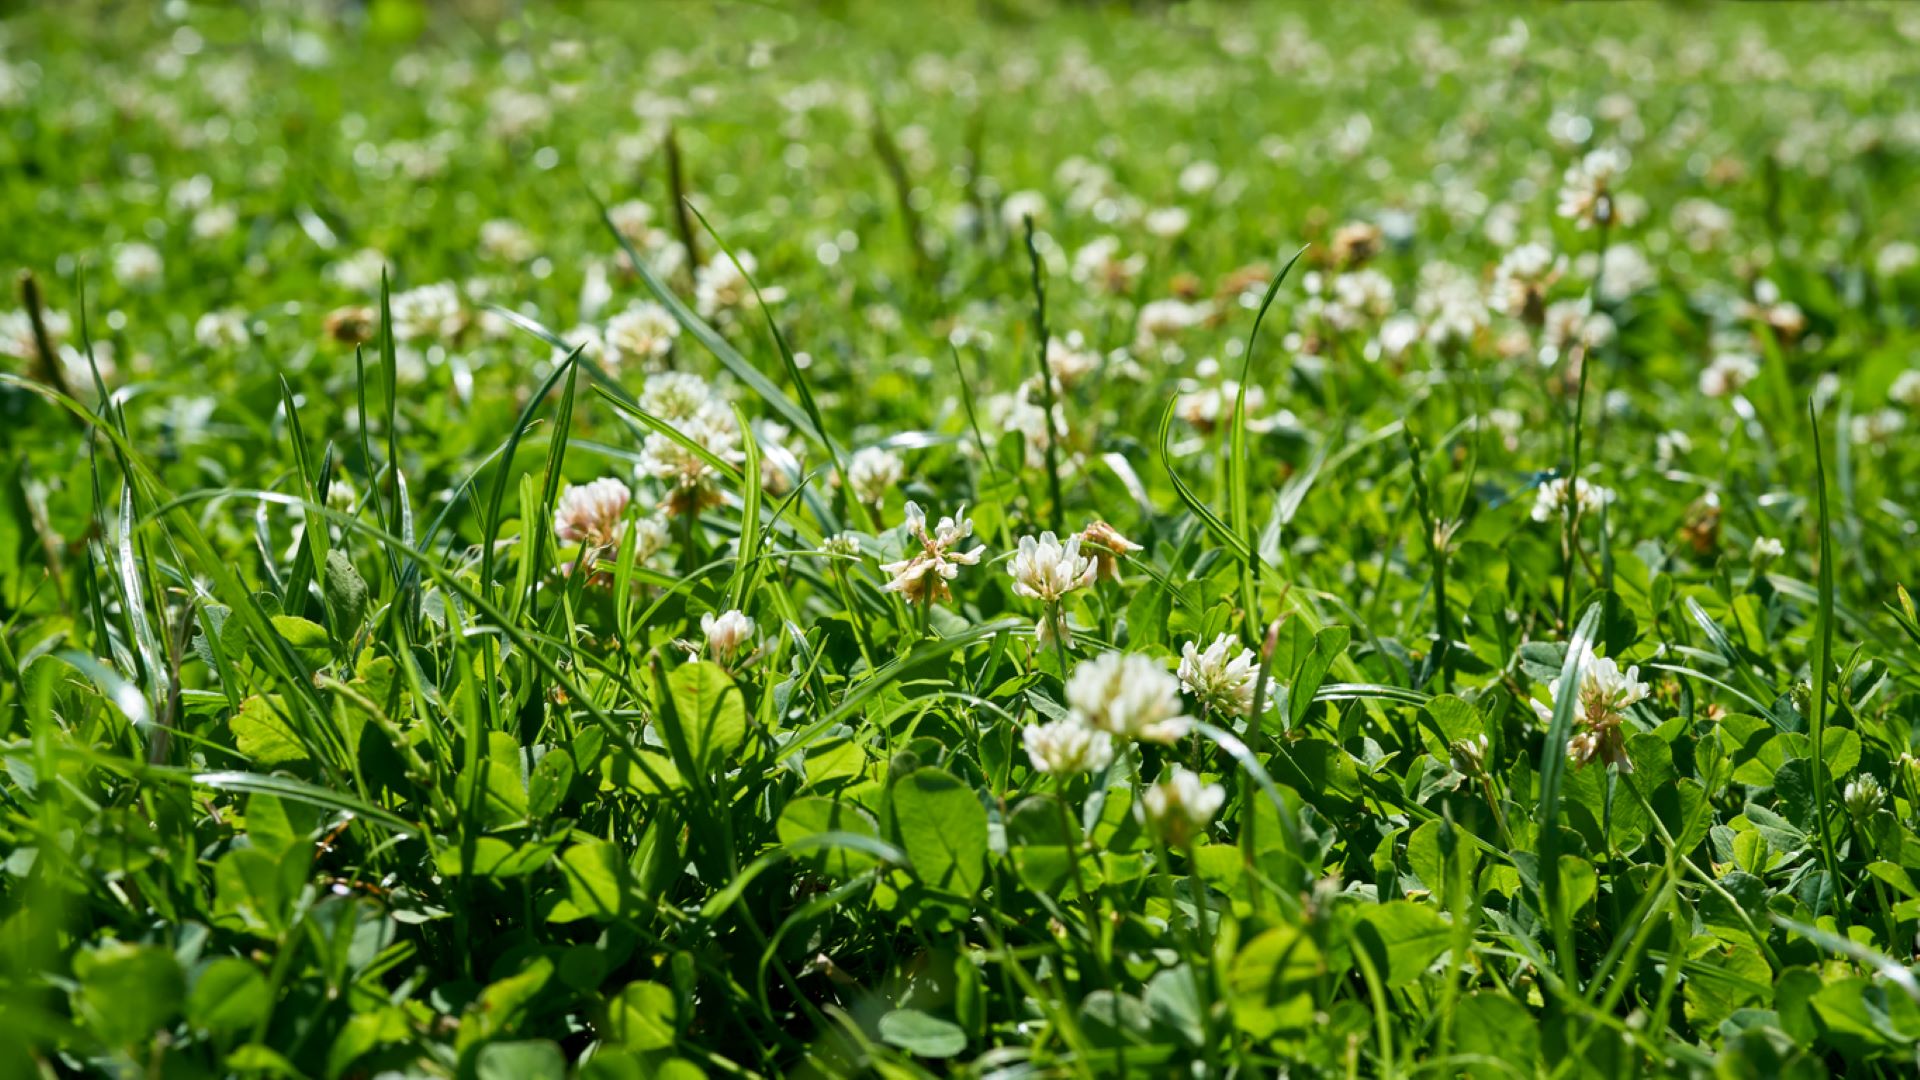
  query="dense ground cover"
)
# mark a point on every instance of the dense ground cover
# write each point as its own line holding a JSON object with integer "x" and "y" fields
{"x": 647, "y": 539}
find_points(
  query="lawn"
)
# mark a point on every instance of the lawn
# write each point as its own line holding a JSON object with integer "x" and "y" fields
{"x": 1014, "y": 539}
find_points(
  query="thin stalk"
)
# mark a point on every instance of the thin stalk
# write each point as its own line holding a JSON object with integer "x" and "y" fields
{"x": 1571, "y": 539}
{"x": 1046, "y": 380}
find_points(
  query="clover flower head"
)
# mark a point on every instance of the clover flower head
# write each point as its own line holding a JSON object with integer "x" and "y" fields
{"x": 1222, "y": 676}
{"x": 1551, "y": 500}
{"x": 590, "y": 513}
{"x": 1179, "y": 808}
{"x": 874, "y": 471}
{"x": 922, "y": 576}
{"x": 1047, "y": 568}
{"x": 1603, "y": 696}
{"x": 726, "y": 633}
{"x": 1065, "y": 748}
{"x": 1128, "y": 695}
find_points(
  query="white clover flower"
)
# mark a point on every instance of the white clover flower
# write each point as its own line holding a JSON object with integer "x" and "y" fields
{"x": 1206, "y": 406}
{"x": 1906, "y": 389}
{"x": 1766, "y": 549}
{"x": 721, "y": 287}
{"x": 1588, "y": 185}
{"x": 633, "y": 220}
{"x": 844, "y": 544}
{"x": 1864, "y": 795}
{"x": 922, "y": 577}
{"x": 1897, "y": 258}
{"x": 1128, "y": 695}
{"x": 590, "y": 513}
{"x": 1521, "y": 281}
{"x": 689, "y": 477}
{"x": 1550, "y": 501}
{"x": 1470, "y": 755}
{"x": 221, "y": 329}
{"x": 507, "y": 241}
{"x": 1179, "y": 808}
{"x": 1198, "y": 177}
{"x": 1047, "y": 569}
{"x": 16, "y": 333}
{"x": 1604, "y": 694}
{"x": 1064, "y": 748}
{"x": 644, "y": 333}
{"x": 1019, "y": 411}
{"x": 649, "y": 536}
{"x": 1167, "y": 222}
{"x": 428, "y": 313}
{"x": 215, "y": 222}
{"x": 1100, "y": 264}
{"x": 676, "y": 395}
{"x": 359, "y": 272}
{"x": 1573, "y": 322}
{"x": 1020, "y": 205}
{"x": 1359, "y": 298}
{"x": 1449, "y": 304}
{"x": 137, "y": 265}
{"x": 1729, "y": 374}
{"x": 1704, "y": 223}
{"x": 1222, "y": 678}
{"x": 1161, "y": 321}
{"x": 873, "y": 472}
{"x": 1624, "y": 271}
{"x": 585, "y": 338}
{"x": 1668, "y": 446}
{"x": 726, "y": 634}
{"x": 512, "y": 112}
{"x": 1878, "y": 426}
{"x": 1069, "y": 359}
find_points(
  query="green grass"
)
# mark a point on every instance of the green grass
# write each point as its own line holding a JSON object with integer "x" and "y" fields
{"x": 343, "y": 737}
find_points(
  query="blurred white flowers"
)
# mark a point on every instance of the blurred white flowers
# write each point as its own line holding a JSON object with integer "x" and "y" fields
{"x": 642, "y": 334}
{"x": 1521, "y": 281}
{"x": 1180, "y": 807}
{"x": 1587, "y": 188}
{"x": 1064, "y": 748}
{"x": 1550, "y": 501}
{"x": 359, "y": 272}
{"x": 1128, "y": 695}
{"x": 873, "y": 472}
{"x": 221, "y": 329}
{"x": 722, "y": 287}
{"x": 1729, "y": 373}
{"x": 429, "y": 313}
{"x": 137, "y": 265}
{"x": 507, "y": 241}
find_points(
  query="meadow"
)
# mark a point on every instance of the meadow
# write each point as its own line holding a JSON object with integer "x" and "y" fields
{"x": 627, "y": 540}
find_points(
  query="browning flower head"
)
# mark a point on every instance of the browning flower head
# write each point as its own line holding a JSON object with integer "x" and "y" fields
{"x": 1107, "y": 546}
{"x": 922, "y": 577}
